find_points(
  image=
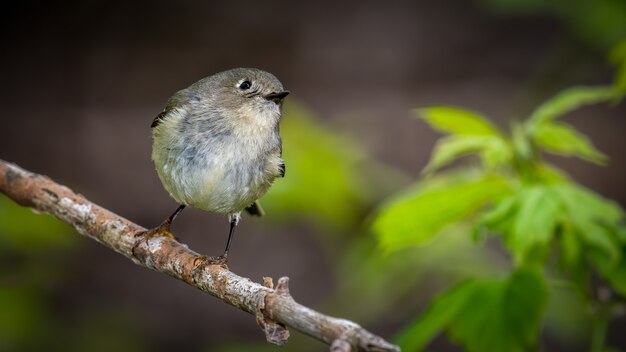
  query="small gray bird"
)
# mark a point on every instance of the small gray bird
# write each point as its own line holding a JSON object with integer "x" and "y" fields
{"x": 216, "y": 145}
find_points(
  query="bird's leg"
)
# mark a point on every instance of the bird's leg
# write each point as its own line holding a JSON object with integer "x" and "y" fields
{"x": 222, "y": 259}
{"x": 164, "y": 228}
{"x": 234, "y": 220}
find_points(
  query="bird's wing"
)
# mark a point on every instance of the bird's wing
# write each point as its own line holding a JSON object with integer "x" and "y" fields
{"x": 176, "y": 101}
{"x": 282, "y": 168}
{"x": 255, "y": 209}
{"x": 157, "y": 120}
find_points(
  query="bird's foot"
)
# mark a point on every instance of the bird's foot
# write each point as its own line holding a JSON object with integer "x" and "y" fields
{"x": 201, "y": 262}
{"x": 162, "y": 230}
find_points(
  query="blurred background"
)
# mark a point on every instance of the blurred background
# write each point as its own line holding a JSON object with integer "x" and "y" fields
{"x": 82, "y": 81}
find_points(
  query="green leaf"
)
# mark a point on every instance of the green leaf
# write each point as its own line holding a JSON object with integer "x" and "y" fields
{"x": 595, "y": 220}
{"x": 484, "y": 315}
{"x": 585, "y": 203}
{"x": 536, "y": 220}
{"x": 498, "y": 218}
{"x": 599, "y": 237}
{"x": 498, "y": 212}
{"x": 453, "y": 120}
{"x": 569, "y": 100}
{"x": 563, "y": 139}
{"x": 515, "y": 316}
{"x": 550, "y": 174}
{"x": 452, "y": 148}
{"x": 498, "y": 151}
{"x": 439, "y": 316}
{"x": 417, "y": 216}
{"x": 493, "y": 150}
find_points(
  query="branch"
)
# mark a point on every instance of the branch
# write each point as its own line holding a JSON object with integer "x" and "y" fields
{"x": 274, "y": 308}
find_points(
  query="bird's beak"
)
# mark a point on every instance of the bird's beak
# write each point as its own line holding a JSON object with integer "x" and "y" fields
{"x": 277, "y": 97}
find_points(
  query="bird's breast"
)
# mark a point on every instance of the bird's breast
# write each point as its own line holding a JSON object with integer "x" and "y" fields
{"x": 216, "y": 165}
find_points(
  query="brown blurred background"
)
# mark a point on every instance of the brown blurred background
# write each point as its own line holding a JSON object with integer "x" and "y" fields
{"x": 82, "y": 81}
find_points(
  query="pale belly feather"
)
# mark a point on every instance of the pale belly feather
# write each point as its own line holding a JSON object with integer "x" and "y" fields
{"x": 225, "y": 184}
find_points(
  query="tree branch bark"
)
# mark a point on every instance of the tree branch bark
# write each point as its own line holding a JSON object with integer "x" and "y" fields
{"x": 274, "y": 308}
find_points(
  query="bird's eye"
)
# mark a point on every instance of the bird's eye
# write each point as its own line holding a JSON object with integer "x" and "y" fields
{"x": 245, "y": 85}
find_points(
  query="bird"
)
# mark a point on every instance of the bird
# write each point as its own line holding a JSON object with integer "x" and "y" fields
{"x": 216, "y": 145}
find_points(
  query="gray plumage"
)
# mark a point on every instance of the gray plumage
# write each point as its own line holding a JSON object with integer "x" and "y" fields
{"x": 216, "y": 145}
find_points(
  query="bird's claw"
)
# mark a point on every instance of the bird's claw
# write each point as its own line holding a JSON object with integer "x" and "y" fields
{"x": 162, "y": 230}
{"x": 201, "y": 262}
{"x": 157, "y": 233}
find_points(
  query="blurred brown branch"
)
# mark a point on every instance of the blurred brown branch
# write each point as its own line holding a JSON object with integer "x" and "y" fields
{"x": 274, "y": 308}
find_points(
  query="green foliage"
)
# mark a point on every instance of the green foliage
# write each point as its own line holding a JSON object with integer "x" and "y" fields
{"x": 534, "y": 221}
{"x": 560, "y": 138}
{"x": 419, "y": 215}
{"x": 592, "y": 219}
{"x": 536, "y": 210}
{"x": 452, "y": 120}
{"x": 569, "y": 100}
{"x": 484, "y": 315}
{"x": 470, "y": 134}
{"x": 531, "y": 217}
{"x": 492, "y": 149}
